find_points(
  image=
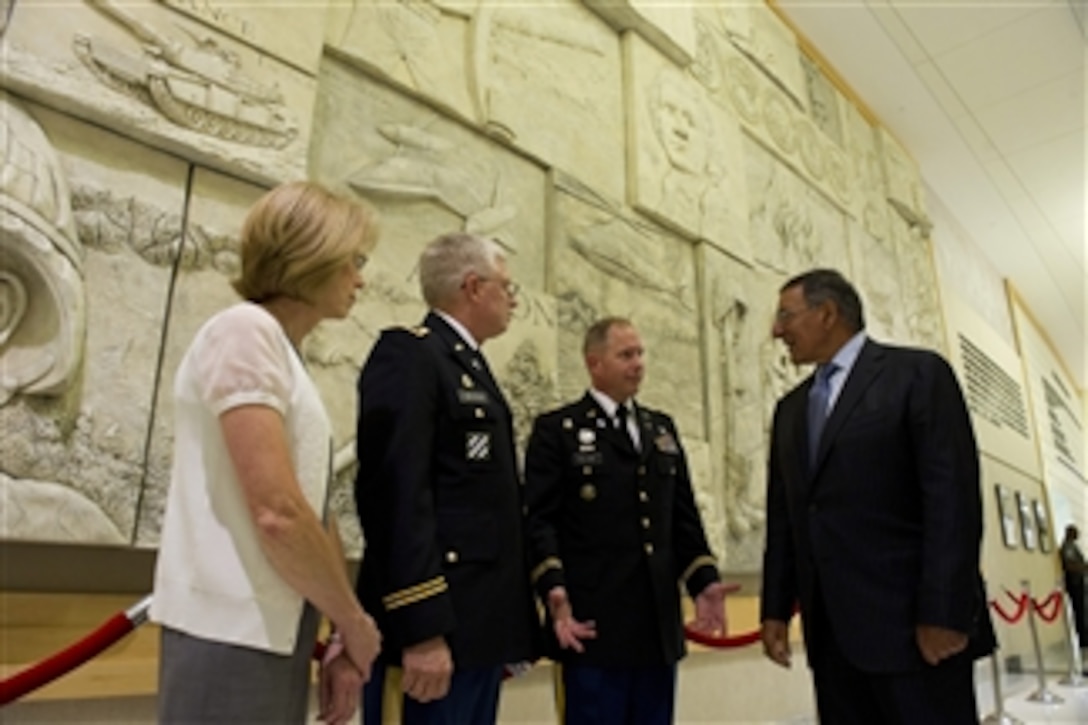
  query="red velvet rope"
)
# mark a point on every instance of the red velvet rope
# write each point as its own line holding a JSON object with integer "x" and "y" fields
{"x": 724, "y": 642}
{"x": 67, "y": 659}
{"x": 1048, "y": 609}
{"x": 1021, "y": 607}
{"x": 1054, "y": 602}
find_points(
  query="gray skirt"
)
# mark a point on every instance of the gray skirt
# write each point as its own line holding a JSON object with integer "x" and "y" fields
{"x": 201, "y": 681}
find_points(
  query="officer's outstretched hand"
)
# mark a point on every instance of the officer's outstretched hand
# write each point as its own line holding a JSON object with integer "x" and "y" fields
{"x": 568, "y": 630}
{"x": 710, "y": 608}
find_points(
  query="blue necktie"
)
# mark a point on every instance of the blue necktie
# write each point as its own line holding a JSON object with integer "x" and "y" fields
{"x": 818, "y": 396}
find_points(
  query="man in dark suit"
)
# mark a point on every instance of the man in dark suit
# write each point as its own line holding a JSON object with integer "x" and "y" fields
{"x": 612, "y": 529}
{"x": 438, "y": 496}
{"x": 874, "y": 525}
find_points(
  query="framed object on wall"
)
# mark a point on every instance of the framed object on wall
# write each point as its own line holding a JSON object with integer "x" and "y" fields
{"x": 1027, "y": 520}
{"x": 1007, "y": 512}
{"x": 1042, "y": 523}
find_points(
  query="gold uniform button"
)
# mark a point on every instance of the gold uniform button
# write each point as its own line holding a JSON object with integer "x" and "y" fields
{"x": 479, "y": 412}
{"x": 642, "y": 470}
{"x": 649, "y": 549}
{"x": 645, "y": 522}
{"x": 452, "y": 557}
{"x": 587, "y": 470}
{"x": 643, "y": 496}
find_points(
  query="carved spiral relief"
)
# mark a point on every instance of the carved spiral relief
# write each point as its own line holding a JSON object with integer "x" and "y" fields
{"x": 42, "y": 317}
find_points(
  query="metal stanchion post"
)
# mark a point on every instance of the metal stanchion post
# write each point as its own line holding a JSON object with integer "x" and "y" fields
{"x": 1042, "y": 695}
{"x": 1076, "y": 664}
{"x": 999, "y": 717}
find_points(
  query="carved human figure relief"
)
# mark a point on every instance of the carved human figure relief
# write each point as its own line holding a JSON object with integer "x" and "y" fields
{"x": 42, "y": 306}
{"x": 685, "y": 154}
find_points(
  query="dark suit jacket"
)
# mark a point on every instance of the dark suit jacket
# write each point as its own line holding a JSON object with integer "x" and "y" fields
{"x": 618, "y": 528}
{"x": 439, "y": 500}
{"x": 886, "y": 525}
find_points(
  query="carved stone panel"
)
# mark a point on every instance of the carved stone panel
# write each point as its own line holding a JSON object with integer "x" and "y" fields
{"x": 825, "y": 103}
{"x": 73, "y": 453}
{"x": 427, "y": 172}
{"x": 747, "y": 371}
{"x": 869, "y": 200}
{"x": 669, "y": 27}
{"x": 684, "y": 153}
{"x": 793, "y": 226}
{"x": 159, "y": 76}
{"x": 767, "y": 112}
{"x": 551, "y": 76}
{"x": 292, "y": 32}
{"x": 902, "y": 177}
{"x": 708, "y": 497}
{"x": 920, "y": 291}
{"x": 758, "y": 33}
{"x": 209, "y": 260}
{"x": 430, "y": 47}
{"x": 877, "y": 279}
{"x": 608, "y": 261}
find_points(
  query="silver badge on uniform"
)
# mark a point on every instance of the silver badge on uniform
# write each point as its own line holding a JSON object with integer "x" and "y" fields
{"x": 478, "y": 446}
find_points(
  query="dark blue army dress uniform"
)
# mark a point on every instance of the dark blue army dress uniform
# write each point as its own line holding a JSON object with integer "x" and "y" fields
{"x": 440, "y": 503}
{"x": 617, "y": 526}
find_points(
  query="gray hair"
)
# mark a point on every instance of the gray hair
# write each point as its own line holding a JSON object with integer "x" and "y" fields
{"x": 448, "y": 258}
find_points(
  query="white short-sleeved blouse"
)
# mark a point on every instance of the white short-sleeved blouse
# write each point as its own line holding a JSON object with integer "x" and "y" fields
{"x": 212, "y": 580}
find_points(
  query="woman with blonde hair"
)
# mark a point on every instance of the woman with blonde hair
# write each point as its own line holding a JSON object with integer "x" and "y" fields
{"x": 246, "y": 563}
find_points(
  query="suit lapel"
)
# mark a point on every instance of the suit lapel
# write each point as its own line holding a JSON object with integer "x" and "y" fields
{"x": 867, "y": 368}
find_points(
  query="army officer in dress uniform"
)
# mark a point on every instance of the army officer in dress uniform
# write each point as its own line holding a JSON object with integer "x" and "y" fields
{"x": 444, "y": 571}
{"x": 612, "y": 529}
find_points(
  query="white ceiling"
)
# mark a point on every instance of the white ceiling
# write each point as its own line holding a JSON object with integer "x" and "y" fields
{"x": 989, "y": 96}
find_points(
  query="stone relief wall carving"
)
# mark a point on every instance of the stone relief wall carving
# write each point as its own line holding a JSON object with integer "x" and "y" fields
{"x": 744, "y": 379}
{"x": 403, "y": 155}
{"x": 767, "y": 113}
{"x": 84, "y": 437}
{"x": 765, "y": 40}
{"x": 793, "y": 226}
{"x": 614, "y": 263}
{"x": 868, "y": 202}
{"x": 877, "y": 278}
{"x": 426, "y": 46}
{"x": 292, "y": 32}
{"x": 668, "y": 27}
{"x": 42, "y": 305}
{"x": 920, "y": 296}
{"x": 823, "y": 101}
{"x": 554, "y": 65}
{"x": 167, "y": 80}
{"x": 505, "y": 120}
{"x": 685, "y": 153}
{"x": 902, "y": 179}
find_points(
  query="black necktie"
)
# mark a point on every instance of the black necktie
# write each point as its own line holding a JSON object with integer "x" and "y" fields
{"x": 621, "y": 418}
{"x": 622, "y": 413}
{"x": 818, "y": 397}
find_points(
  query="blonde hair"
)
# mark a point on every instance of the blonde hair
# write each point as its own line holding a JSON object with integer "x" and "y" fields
{"x": 294, "y": 238}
